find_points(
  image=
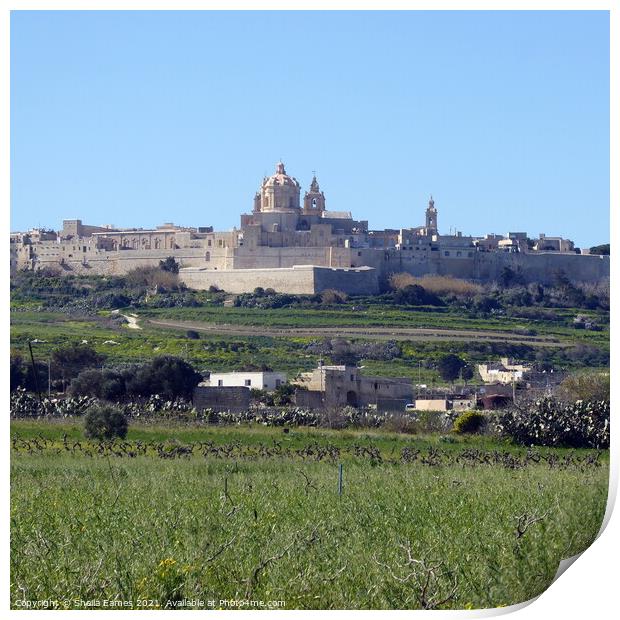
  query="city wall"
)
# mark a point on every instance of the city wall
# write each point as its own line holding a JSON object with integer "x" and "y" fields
{"x": 101, "y": 262}
{"x": 237, "y": 269}
{"x": 296, "y": 280}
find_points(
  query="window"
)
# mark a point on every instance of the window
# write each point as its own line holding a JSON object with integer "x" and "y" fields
{"x": 352, "y": 377}
{"x": 207, "y": 256}
{"x": 248, "y": 382}
{"x": 359, "y": 253}
{"x": 220, "y": 382}
{"x": 458, "y": 253}
{"x": 278, "y": 382}
{"x": 209, "y": 242}
{"x": 446, "y": 253}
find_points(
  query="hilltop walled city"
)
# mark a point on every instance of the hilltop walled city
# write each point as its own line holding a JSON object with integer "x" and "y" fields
{"x": 301, "y": 247}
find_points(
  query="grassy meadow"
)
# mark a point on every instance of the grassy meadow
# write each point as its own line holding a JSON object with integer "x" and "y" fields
{"x": 253, "y": 513}
{"x": 249, "y": 513}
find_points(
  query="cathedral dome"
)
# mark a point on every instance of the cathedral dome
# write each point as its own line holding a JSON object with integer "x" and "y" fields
{"x": 279, "y": 192}
{"x": 280, "y": 178}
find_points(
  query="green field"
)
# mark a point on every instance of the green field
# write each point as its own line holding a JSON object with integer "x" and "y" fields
{"x": 219, "y": 350}
{"x": 253, "y": 513}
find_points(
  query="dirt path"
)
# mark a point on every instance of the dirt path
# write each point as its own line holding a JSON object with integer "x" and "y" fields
{"x": 368, "y": 333}
{"x": 132, "y": 321}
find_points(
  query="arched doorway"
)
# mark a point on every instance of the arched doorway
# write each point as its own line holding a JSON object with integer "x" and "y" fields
{"x": 352, "y": 398}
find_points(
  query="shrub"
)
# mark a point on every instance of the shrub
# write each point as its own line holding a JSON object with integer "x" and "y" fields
{"x": 332, "y": 296}
{"x": 105, "y": 422}
{"x": 152, "y": 277}
{"x": 416, "y": 295}
{"x": 401, "y": 423}
{"x": 469, "y": 422}
{"x": 548, "y": 422}
{"x": 72, "y": 359}
{"x": 169, "y": 265}
{"x": 192, "y": 334}
{"x": 588, "y": 386}
{"x": 438, "y": 285}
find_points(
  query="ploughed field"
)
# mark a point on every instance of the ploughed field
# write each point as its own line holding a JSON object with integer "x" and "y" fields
{"x": 178, "y": 514}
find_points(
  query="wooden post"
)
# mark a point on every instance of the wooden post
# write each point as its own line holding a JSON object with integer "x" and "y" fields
{"x": 34, "y": 373}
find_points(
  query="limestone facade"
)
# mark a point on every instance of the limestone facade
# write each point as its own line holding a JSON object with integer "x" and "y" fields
{"x": 338, "y": 386}
{"x": 280, "y": 236}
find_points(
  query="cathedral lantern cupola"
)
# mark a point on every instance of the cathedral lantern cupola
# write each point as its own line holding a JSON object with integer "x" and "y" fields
{"x": 431, "y": 218}
{"x": 314, "y": 200}
{"x": 279, "y": 192}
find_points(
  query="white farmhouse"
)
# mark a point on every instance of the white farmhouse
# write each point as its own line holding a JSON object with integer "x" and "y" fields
{"x": 254, "y": 380}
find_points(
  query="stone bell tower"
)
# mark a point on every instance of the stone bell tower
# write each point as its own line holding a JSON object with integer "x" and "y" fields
{"x": 314, "y": 200}
{"x": 431, "y": 218}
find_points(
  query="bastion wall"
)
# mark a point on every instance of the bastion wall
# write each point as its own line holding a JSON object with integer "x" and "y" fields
{"x": 296, "y": 280}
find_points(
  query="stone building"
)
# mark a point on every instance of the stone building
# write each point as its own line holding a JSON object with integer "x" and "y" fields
{"x": 505, "y": 371}
{"x": 302, "y": 246}
{"x": 254, "y": 380}
{"x": 339, "y": 386}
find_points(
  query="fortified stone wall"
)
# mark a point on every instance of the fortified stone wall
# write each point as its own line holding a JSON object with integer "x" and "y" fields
{"x": 268, "y": 257}
{"x": 362, "y": 281}
{"x": 485, "y": 266}
{"x": 542, "y": 267}
{"x": 101, "y": 262}
{"x": 297, "y": 280}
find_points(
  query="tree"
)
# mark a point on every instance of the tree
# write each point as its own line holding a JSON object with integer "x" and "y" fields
{"x": 107, "y": 384}
{"x": 69, "y": 361}
{"x": 17, "y": 372}
{"x": 283, "y": 394}
{"x": 105, "y": 422}
{"x": 449, "y": 367}
{"x": 467, "y": 372}
{"x": 600, "y": 249}
{"x": 169, "y": 376}
{"x": 169, "y": 265}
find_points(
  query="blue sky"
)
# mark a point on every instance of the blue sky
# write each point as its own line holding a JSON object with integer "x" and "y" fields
{"x": 136, "y": 118}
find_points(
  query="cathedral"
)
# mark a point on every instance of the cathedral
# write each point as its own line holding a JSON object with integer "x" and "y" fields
{"x": 300, "y": 246}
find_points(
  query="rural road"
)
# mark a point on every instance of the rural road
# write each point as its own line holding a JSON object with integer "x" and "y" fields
{"x": 132, "y": 321}
{"x": 368, "y": 333}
